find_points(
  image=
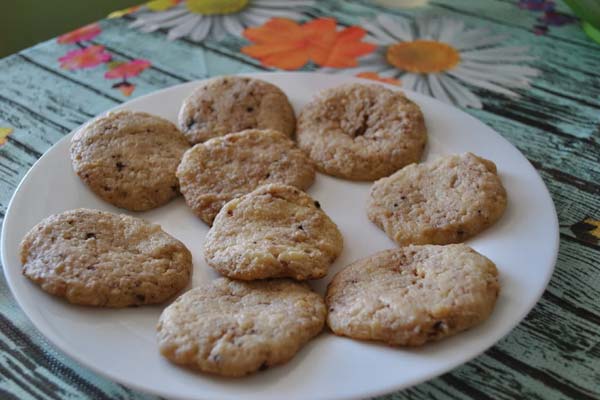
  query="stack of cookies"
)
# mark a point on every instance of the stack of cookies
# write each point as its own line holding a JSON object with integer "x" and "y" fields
{"x": 234, "y": 160}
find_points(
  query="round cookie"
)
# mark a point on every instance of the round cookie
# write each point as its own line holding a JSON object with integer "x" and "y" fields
{"x": 96, "y": 258}
{"x": 129, "y": 158}
{"x": 234, "y": 328}
{"x": 361, "y": 132}
{"x": 412, "y": 295}
{"x": 216, "y": 171}
{"x": 444, "y": 201}
{"x": 275, "y": 231}
{"x": 234, "y": 103}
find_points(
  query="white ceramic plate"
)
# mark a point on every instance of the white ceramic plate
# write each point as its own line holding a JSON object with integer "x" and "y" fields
{"x": 120, "y": 344}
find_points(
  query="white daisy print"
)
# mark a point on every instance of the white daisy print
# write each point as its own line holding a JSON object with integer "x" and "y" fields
{"x": 440, "y": 57}
{"x": 201, "y": 19}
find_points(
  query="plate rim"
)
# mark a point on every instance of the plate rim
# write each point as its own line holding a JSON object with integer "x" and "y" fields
{"x": 63, "y": 348}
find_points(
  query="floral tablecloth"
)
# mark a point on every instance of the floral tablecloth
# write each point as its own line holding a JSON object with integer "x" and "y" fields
{"x": 523, "y": 67}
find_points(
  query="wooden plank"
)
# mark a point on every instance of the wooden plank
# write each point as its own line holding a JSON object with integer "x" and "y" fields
{"x": 62, "y": 101}
{"x": 507, "y": 13}
{"x": 575, "y": 156}
{"x": 185, "y": 58}
{"x": 14, "y": 164}
{"x": 148, "y": 81}
{"x": 576, "y": 276}
{"x": 499, "y": 381}
{"x": 431, "y": 390}
{"x": 36, "y": 365}
{"x": 557, "y": 343}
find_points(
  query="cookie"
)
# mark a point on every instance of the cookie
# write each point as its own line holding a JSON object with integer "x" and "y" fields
{"x": 129, "y": 159}
{"x": 230, "y": 104}
{"x": 444, "y": 201}
{"x": 361, "y": 132}
{"x": 214, "y": 172}
{"x": 234, "y": 328}
{"x": 275, "y": 231}
{"x": 412, "y": 295}
{"x": 96, "y": 258}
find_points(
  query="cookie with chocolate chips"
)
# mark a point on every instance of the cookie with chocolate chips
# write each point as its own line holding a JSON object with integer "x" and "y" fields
{"x": 412, "y": 295}
{"x": 361, "y": 132}
{"x": 230, "y": 104}
{"x": 234, "y": 328}
{"x": 129, "y": 158}
{"x": 97, "y": 258}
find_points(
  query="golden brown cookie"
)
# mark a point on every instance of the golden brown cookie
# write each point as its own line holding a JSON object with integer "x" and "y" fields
{"x": 234, "y": 328}
{"x": 361, "y": 132}
{"x": 444, "y": 201}
{"x": 223, "y": 168}
{"x": 274, "y": 231}
{"x": 412, "y": 295}
{"x": 97, "y": 258}
{"x": 235, "y": 103}
{"x": 129, "y": 158}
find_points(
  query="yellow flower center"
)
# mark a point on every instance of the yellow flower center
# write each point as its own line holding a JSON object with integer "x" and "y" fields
{"x": 423, "y": 56}
{"x": 212, "y": 7}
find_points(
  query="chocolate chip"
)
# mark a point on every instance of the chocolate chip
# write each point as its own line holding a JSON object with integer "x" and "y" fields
{"x": 402, "y": 197}
{"x": 300, "y": 227}
{"x": 460, "y": 232}
{"x": 174, "y": 188}
{"x": 140, "y": 297}
{"x": 263, "y": 366}
{"x": 229, "y": 212}
{"x": 249, "y": 109}
{"x": 190, "y": 122}
{"x": 437, "y": 328}
{"x": 268, "y": 175}
{"x": 91, "y": 268}
{"x": 90, "y": 236}
{"x": 317, "y": 204}
{"x": 106, "y": 188}
{"x": 395, "y": 204}
{"x": 120, "y": 165}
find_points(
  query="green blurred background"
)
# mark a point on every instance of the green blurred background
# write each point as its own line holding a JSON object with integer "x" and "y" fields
{"x": 24, "y": 23}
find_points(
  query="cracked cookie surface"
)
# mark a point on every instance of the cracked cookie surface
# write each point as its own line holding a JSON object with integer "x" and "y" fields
{"x": 447, "y": 200}
{"x": 97, "y": 258}
{"x": 361, "y": 132}
{"x": 129, "y": 158}
{"x": 412, "y": 295}
{"x": 234, "y": 328}
{"x": 275, "y": 231}
{"x": 223, "y": 168}
{"x": 230, "y": 104}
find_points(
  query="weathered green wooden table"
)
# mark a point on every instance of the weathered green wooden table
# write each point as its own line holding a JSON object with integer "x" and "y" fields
{"x": 555, "y": 122}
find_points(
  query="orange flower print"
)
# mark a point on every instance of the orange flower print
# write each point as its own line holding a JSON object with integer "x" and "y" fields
{"x": 84, "y": 58}
{"x": 125, "y": 87}
{"x": 127, "y": 70}
{"x": 124, "y": 70}
{"x": 374, "y": 76}
{"x": 87, "y": 32}
{"x": 285, "y": 44}
{"x": 336, "y": 49}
